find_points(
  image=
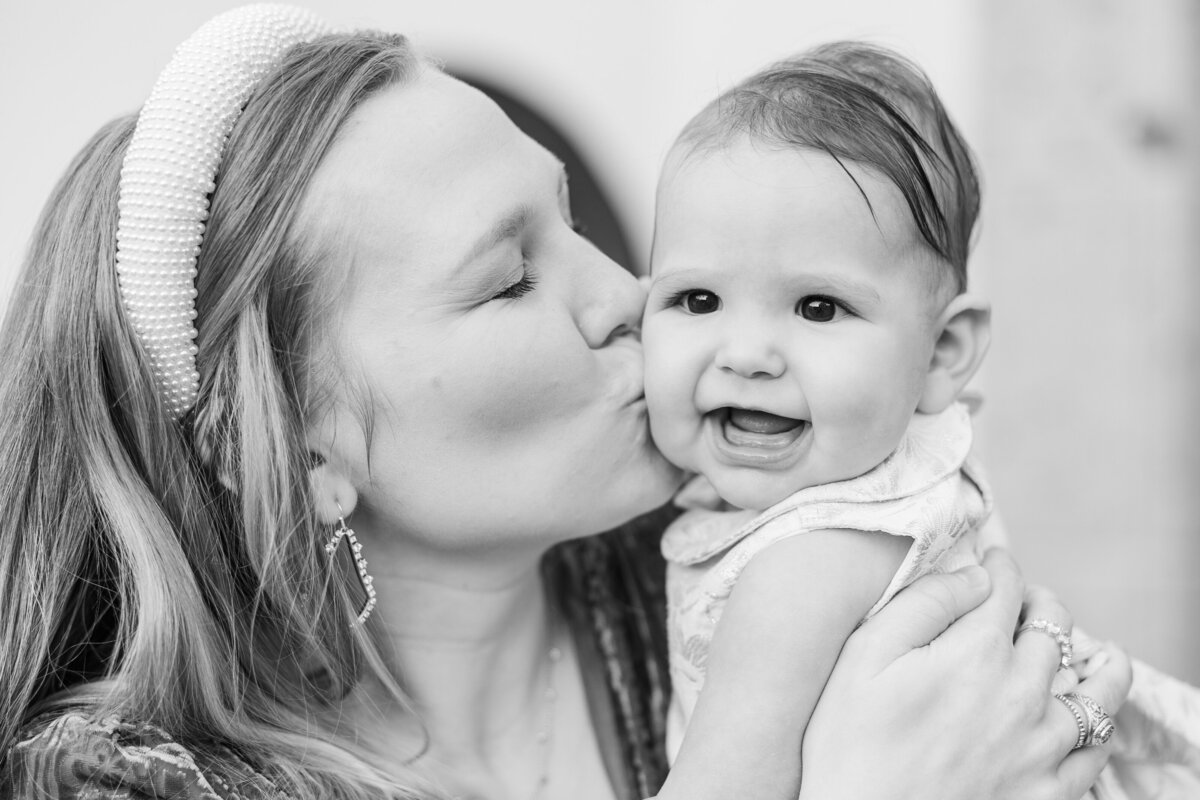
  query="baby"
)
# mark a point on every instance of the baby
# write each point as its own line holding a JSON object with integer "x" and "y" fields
{"x": 807, "y": 335}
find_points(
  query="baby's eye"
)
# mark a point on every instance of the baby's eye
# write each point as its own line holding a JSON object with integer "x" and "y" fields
{"x": 817, "y": 308}
{"x": 700, "y": 301}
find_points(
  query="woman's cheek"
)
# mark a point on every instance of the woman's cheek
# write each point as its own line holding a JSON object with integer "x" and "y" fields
{"x": 531, "y": 381}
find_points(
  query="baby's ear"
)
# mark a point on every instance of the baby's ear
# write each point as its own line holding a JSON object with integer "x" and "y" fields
{"x": 964, "y": 331}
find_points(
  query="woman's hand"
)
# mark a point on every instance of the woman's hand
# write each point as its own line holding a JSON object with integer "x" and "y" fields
{"x": 933, "y": 699}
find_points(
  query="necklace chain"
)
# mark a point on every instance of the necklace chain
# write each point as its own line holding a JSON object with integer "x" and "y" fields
{"x": 545, "y": 735}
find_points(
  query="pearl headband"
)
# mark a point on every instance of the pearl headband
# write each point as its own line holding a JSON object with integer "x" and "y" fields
{"x": 169, "y": 172}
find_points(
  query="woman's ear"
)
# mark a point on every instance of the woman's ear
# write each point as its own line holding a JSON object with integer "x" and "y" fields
{"x": 334, "y": 496}
{"x": 964, "y": 331}
{"x": 331, "y": 478}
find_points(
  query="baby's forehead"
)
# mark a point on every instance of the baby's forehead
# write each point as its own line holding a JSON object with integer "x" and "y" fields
{"x": 798, "y": 210}
{"x": 765, "y": 187}
{"x": 784, "y": 171}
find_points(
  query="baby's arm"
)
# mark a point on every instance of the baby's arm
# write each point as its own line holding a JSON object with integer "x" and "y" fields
{"x": 785, "y": 623}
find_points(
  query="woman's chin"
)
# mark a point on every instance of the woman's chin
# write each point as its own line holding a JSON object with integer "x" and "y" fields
{"x": 640, "y": 491}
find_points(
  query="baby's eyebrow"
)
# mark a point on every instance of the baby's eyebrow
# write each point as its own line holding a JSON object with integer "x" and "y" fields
{"x": 842, "y": 285}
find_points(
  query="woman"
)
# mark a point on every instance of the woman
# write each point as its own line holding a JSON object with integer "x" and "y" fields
{"x": 399, "y": 330}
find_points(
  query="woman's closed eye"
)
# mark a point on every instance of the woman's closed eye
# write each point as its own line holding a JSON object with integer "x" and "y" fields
{"x": 695, "y": 301}
{"x": 820, "y": 308}
{"x": 520, "y": 287}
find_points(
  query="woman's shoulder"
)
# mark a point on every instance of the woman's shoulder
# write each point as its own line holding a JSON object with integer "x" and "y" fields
{"x": 74, "y": 755}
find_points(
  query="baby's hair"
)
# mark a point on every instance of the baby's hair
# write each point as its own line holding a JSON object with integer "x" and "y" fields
{"x": 866, "y": 104}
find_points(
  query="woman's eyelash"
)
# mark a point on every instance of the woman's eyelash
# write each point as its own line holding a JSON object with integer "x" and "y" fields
{"x": 519, "y": 289}
{"x": 679, "y": 298}
{"x": 675, "y": 299}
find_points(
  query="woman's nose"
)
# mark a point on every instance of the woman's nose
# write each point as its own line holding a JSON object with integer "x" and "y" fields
{"x": 750, "y": 353}
{"x": 610, "y": 302}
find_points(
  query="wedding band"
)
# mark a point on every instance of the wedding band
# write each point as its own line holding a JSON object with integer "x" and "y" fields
{"x": 1100, "y": 724}
{"x": 1066, "y": 650}
{"x": 1081, "y": 719}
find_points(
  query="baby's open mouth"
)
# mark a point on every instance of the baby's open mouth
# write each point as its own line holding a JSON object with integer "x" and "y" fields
{"x": 747, "y": 428}
{"x": 759, "y": 439}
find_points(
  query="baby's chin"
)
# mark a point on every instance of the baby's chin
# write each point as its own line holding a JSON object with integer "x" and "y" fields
{"x": 754, "y": 490}
{"x": 759, "y": 489}
{"x": 742, "y": 487}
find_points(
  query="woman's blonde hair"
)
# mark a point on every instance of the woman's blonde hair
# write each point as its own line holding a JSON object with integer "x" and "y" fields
{"x": 173, "y": 573}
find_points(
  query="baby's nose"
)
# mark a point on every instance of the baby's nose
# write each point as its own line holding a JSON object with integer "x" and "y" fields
{"x": 750, "y": 356}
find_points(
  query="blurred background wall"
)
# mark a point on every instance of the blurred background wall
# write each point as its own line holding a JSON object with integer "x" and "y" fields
{"x": 1085, "y": 115}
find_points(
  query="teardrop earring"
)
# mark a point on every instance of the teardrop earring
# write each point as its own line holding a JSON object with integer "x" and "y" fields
{"x": 360, "y": 563}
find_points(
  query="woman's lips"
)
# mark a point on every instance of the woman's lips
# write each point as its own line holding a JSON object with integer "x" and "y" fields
{"x": 744, "y": 437}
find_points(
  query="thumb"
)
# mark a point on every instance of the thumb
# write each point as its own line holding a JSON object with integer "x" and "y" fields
{"x": 922, "y": 612}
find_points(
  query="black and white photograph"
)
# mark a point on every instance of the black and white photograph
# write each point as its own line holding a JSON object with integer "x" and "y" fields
{"x": 641, "y": 400}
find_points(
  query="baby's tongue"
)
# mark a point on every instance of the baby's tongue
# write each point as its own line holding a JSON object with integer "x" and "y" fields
{"x": 760, "y": 421}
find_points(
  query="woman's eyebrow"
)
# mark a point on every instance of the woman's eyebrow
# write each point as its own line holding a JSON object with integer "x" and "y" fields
{"x": 511, "y": 224}
{"x": 507, "y": 227}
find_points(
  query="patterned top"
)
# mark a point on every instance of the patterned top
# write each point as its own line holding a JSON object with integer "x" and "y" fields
{"x": 611, "y": 591}
{"x": 927, "y": 490}
{"x": 70, "y": 755}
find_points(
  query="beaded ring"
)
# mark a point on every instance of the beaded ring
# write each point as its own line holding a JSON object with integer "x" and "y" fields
{"x": 1066, "y": 649}
{"x": 170, "y": 169}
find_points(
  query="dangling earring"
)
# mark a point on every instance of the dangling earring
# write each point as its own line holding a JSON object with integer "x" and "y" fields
{"x": 360, "y": 563}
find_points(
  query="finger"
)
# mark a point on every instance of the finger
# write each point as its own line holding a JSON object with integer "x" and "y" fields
{"x": 1065, "y": 680}
{"x": 1081, "y": 768}
{"x": 1089, "y": 653}
{"x": 922, "y": 612}
{"x": 1038, "y": 648}
{"x": 1041, "y": 603}
{"x": 1070, "y": 722}
{"x": 1108, "y": 686}
{"x": 998, "y": 614}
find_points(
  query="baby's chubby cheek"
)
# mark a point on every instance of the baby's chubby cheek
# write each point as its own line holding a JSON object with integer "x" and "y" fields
{"x": 674, "y": 424}
{"x": 664, "y": 430}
